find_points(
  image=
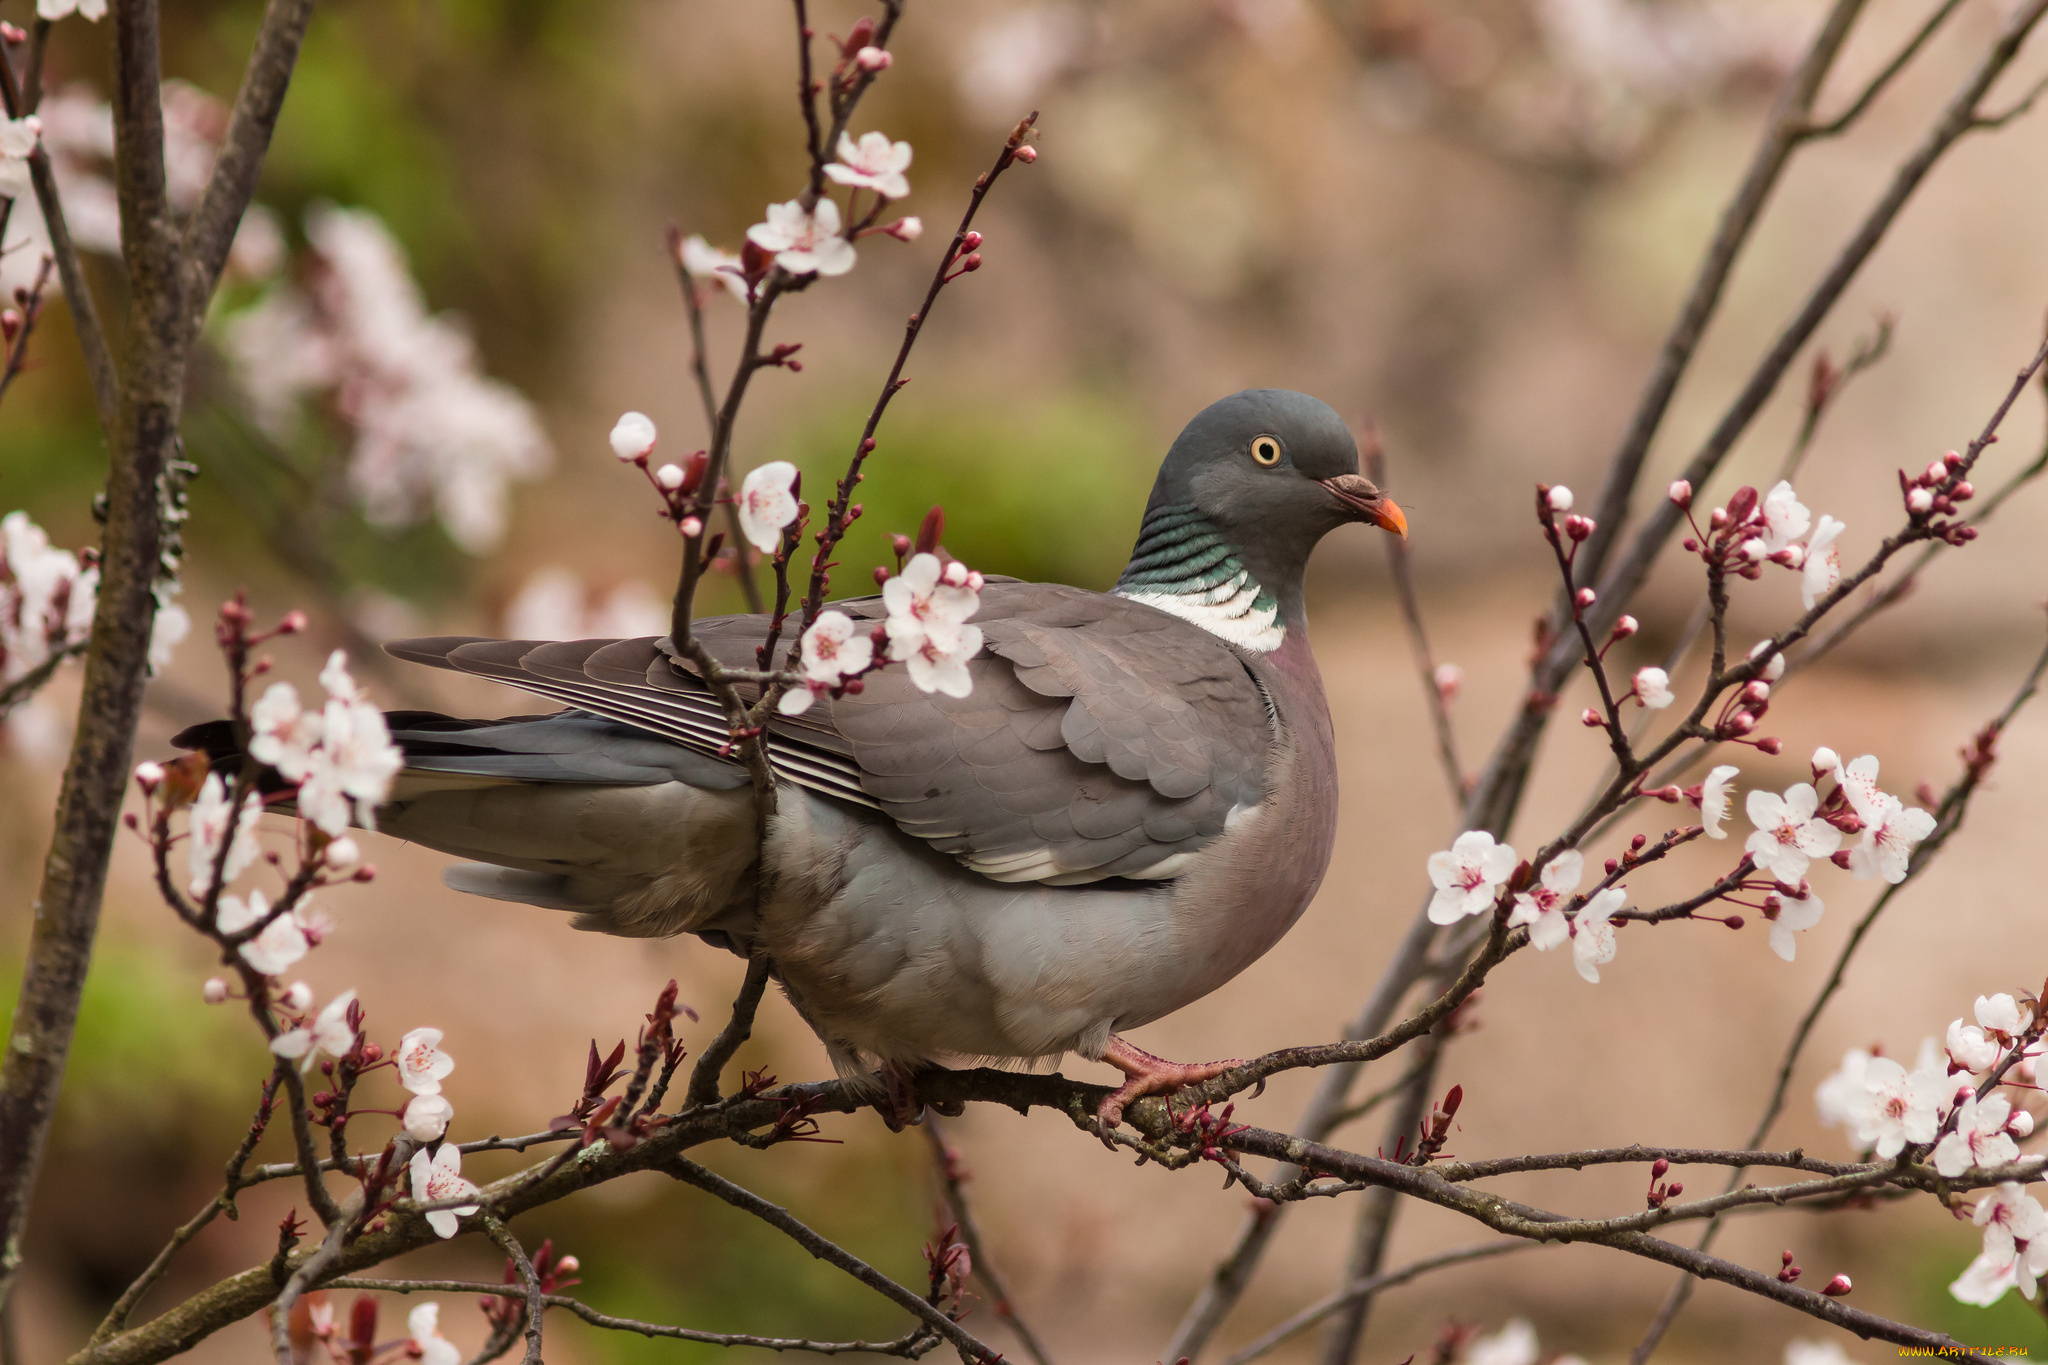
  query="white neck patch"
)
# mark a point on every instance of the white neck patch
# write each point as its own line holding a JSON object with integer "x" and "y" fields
{"x": 1228, "y": 611}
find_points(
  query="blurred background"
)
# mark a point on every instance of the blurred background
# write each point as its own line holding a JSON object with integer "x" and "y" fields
{"x": 1467, "y": 220}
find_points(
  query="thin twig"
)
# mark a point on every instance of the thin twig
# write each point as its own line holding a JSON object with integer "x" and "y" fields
{"x": 952, "y": 1183}
{"x": 536, "y": 1301}
{"x": 1402, "y": 567}
{"x": 971, "y": 1350}
{"x": 738, "y": 1028}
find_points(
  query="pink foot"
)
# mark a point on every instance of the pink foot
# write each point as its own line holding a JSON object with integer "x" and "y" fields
{"x": 1149, "y": 1075}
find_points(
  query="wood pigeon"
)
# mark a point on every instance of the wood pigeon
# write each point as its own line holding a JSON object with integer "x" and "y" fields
{"x": 1135, "y": 801}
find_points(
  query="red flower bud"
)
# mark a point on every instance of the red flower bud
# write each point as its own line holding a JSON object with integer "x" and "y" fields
{"x": 1837, "y": 1287}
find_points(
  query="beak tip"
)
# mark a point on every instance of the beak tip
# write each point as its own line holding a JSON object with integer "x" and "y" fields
{"x": 1392, "y": 518}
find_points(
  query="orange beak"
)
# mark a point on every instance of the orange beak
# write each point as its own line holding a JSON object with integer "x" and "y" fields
{"x": 1363, "y": 499}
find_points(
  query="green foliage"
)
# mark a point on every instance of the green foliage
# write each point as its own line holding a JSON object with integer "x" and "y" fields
{"x": 147, "y": 1052}
{"x": 1052, "y": 493}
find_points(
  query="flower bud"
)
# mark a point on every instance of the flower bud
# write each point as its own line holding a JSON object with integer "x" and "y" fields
{"x": 214, "y": 991}
{"x": 873, "y": 58}
{"x": 1753, "y": 550}
{"x": 1770, "y": 744}
{"x": 669, "y": 476}
{"x": 882, "y": 575}
{"x": 906, "y": 229}
{"x": 1756, "y": 690}
{"x": 426, "y": 1117}
{"x": 1919, "y": 502}
{"x": 1837, "y": 1287}
{"x": 1792, "y": 557}
{"x": 294, "y": 621}
{"x": 2021, "y": 1124}
{"x": 297, "y": 997}
{"x": 1963, "y": 491}
{"x": 12, "y": 33}
{"x": 691, "y": 527}
{"x": 568, "y": 1265}
{"x": 1937, "y": 473}
{"x": 362, "y": 1323}
{"x": 1578, "y": 528}
{"x": 1840, "y": 859}
{"x": 372, "y": 1053}
{"x": 633, "y": 436}
{"x": 1741, "y": 723}
{"x": 1450, "y": 680}
{"x": 341, "y": 853}
{"x": 1591, "y": 719}
{"x": 970, "y": 241}
{"x": 1673, "y": 1190}
{"x": 149, "y": 776}
{"x": 1659, "y": 1168}
{"x": 1734, "y": 921}
{"x": 1625, "y": 627}
{"x": 1773, "y": 670}
{"x": 1680, "y": 492}
{"x": 970, "y": 262}
{"x": 1559, "y": 498}
{"x": 1586, "y": 597}
{"x": 1717, "y": 518}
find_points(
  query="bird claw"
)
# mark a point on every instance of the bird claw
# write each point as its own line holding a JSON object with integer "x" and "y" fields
{"x": 1146, "y": 1074}
{"x": 898, "y": 1106}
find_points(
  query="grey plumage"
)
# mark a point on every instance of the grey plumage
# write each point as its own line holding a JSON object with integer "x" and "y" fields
{"x": 1135, "y": 801}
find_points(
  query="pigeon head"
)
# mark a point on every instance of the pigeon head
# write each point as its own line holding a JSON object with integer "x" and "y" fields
{"x": 1249, "y": 487}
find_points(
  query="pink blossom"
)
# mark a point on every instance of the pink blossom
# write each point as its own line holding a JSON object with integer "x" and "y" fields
{"x": 872, "y": 58}
{"x": 330, "y": 1033}
{"x": 709, "y": 265}
{"x": 1978, "y": 1137}
{"x": 1839, "y": 1098}
{"x": 833, "y": 649}
{"x": 1795, "y": 916}
{"x": 281, "y": 943}
{"x": 1715, "y": 794}
{"x": 284, "y": 733}
{"x": 1653, "y": 688}
{"x": 421, "y": 1063}
{"x": 804, "y": 243}
{"x": 424, "y": 1324}
{"x": 633, "y": 435}
{"x": 436, "y": 1180}
{"x": 1467, "y": 876}
{"x": 1788, "y": 836}
{"x": 767, "y": 505}
{"x": 1822, "y": 571}
{"x": 927, "y": 626}
{"x": 208, "y": 828}
{"x": 1969, "y": 1049}
{"x": 2015, "y": 1246}
{"x": 1542, "y": 908}
{"x": 2002, "y": 1014}
{"x": 1785, "y": 519}
{"x": 427, "y": 1117}
{"x": 873, "y": 163}
{"x": 1888, "y": 839}
{"x": 214, "y": 991}
{"x": 1593, "y": 933}
{"x": 53, "y": 10}
{"x": 1897, "y": 1106}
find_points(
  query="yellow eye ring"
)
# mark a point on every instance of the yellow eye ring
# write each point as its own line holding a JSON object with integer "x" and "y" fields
{"x": 1266, "y": 450}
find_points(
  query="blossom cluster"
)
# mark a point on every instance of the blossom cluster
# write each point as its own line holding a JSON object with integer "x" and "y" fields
{"x": 431, "y": 432}
{"x": 339, "y": 758}
{"x": 1791, "y": 831}
{"x": 1776, "y": 528}
{"x": 1887, "y": 1108}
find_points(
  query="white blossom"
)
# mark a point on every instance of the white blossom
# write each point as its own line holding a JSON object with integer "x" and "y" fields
{"x": 207, "y": 829}
{"x": 297, "y": 997}
{"x": 1978, "y": 1137}
{"x": 804, "y": 242}
{"x": 1788, "y": 836}
{"x": 17, "y": 144}
{"x": 709, "y": 265}
{"x": 1514, "y": 1344}
{"x": 1559, "y": 497}
{"x": 284, "y": 733}
{"x": 426, "y": 1117}
{"x": 832, "y": 650}
{"x": 1992, "y": 1273}
{"x": 1888, "y": 839}
{"x": 873, "y": 163}
{"x": 633, "y": 435}
{"x": 2015, "y": 1247}
{"x": 1593, "y": 933}
{"x": 424, "y": 1324}
{"x": 1897, "y": 1106}
{"x": 438, "y": 1178}
{"x": 1715, "y": 794}
{"x": 1467, "y": 876}
{"x": 1822, "y": 570}
{"x": 1773, "y": 670}
{"x": 1653, "y": 688}
{"x": 282, "y": 942}
{"x": 1795, "y": 916}
{"x": 1785, "y": 519}
{"x": 927, "y": 625}
{"x": 1542, "y": 909}
{"x": 1969, "y": 1049}
{"x": 1839, "y": 1096}
{"x": 330, "y": 1032}
{"x": 53, "y": 10}
{"x": 766, "y": 504}
{"x": 432, "y": 434}
{"x": 2001, "y": 1014}
{"x": 46, "y": 599}
{"x": 421, "y": 1063}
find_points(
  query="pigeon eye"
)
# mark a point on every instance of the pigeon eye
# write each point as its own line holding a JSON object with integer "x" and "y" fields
{"x": 1266, "y": 450}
